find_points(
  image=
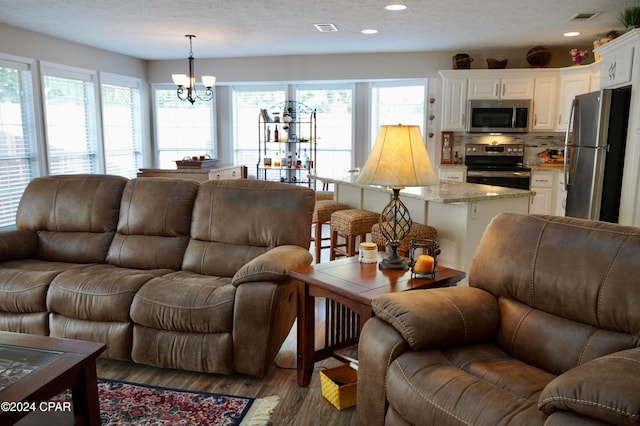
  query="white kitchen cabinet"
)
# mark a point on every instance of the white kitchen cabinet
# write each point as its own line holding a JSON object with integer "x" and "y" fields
{"x": 542, "y": 184}
{"x": 454, "y": 105}
{"x": 616, "y": 68}
{"x": 544, "y": 103}
{"x": 573, "y": 81}
{"x": 500, "y": 88}
{"x": 451, "y": 175}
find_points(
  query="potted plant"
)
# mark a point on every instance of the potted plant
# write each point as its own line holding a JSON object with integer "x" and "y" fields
{"x": 630, "y": 16}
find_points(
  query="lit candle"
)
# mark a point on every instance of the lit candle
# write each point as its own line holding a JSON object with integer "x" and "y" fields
{"x": 424, "y": 264}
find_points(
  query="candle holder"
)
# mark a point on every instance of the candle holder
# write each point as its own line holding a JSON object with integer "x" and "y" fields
{"x": 428, "y": 248}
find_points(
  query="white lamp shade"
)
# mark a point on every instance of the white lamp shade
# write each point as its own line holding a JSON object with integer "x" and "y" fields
{"x": 180, "y": 79}
{"x": 399, "y": 159}
{"x": 208, "y": 81}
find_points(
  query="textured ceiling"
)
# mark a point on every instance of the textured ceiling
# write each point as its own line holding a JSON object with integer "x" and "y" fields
{"x": 155, "y": 29}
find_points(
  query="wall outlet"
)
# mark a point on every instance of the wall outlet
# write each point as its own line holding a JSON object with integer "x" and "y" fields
{"x": 474, "y": 210}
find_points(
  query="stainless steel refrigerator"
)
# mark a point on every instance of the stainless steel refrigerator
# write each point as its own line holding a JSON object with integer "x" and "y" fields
{"x": 594, "y": 154}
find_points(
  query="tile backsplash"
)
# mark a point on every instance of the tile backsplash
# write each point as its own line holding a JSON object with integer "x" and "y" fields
{"x": 534, "y": 142}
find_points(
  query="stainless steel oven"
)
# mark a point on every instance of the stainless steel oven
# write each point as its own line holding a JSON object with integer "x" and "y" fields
{"x": 499, "y": 165}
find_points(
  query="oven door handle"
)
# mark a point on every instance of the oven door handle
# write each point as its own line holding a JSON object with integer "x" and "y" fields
{"x": 505, "y": 174}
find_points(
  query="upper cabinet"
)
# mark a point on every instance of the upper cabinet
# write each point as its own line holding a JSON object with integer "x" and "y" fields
{"x": 454, "y": 105}
{"x": 545, "y": 93}
{"x": 573, "y": 81}
{"x": 551, "y": 91}
{"x": 617, "y": 63}
{"x": 500, "y": 88}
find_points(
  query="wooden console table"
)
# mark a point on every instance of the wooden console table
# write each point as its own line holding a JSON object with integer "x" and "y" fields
{"x": 200, "y": 175}
{"x": 349, "y": 286}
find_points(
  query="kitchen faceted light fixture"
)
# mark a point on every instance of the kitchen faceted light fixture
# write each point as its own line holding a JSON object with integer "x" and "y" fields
{"x": 399, "y": 158}
{"x": 187, "y": 83}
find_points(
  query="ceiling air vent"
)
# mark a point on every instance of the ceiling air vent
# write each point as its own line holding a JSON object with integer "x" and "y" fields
{"x": 584, "y": 16}
{"x": 326, "y": 28}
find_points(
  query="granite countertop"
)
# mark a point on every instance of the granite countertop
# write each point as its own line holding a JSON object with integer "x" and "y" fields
{"x": 547, "y": 168}
{"x": 446, "y": 192}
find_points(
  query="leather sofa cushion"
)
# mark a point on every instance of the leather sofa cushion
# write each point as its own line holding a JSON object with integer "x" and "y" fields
{"x": 18, "y": 244}
{"x": 117, "y": 336}
{"x": 185, "y": 302}
{"x": 534, "y": 337}
{"x": 235, "y": 221}
{"x": 24, "y": 291}
{"x": 605, "y": 388}
{"x": 153, "y": 229}
{"x": 207, "y": 352}
{"x": 34, "y": 323}
{"x": 74, "y": 216}
{"x": 101, "y": 294}
{"x": 426, "y": 385}
{"x": 572, "y": 268}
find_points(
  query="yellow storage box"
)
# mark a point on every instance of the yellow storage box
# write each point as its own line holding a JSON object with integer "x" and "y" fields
{"x": 339, "y": 386}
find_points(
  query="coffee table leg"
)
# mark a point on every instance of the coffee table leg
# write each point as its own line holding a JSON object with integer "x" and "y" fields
{"x": 86, "y": 405}
{"x": 306, "y": 334}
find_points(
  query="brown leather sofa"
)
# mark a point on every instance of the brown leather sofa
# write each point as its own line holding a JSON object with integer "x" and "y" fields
{"x": 546, "y": 333}
{"x": 166, "y": 272}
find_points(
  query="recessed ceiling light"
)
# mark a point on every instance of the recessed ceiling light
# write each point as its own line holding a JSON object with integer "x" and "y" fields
{"x": 396, "y": 7}
{"x": 370, "y": 31}
{"x": 571, "y": 34}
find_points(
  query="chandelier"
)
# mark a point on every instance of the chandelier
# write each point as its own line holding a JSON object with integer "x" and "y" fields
{"x": 187, "y": 83}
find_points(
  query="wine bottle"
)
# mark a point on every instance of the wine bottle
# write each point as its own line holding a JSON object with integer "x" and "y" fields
{"x": 275, "y": 134}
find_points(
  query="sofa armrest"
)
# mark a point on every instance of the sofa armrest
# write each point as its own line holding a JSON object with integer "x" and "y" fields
{"x": 274, "y": 265}
{"x": 18, "y": 244}
{"x": 441, "y": 317}
{"x": 605, "y": 388}
{"x": 379, "y": 345}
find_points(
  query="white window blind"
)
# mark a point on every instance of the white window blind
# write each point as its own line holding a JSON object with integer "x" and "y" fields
{"x": 121, "y": 126}
{"x": 70, "y": 121}
{"x": 182, "y": 129}
{"x": 17, "y": 136}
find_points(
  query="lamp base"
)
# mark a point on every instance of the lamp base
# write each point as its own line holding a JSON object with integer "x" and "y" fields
{"x": 394, "y": 260}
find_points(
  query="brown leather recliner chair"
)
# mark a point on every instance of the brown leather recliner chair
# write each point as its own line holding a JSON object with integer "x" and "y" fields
{"x": 548, "y": 332}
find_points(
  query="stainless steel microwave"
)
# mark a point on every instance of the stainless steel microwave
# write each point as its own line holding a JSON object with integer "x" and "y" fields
{"x": 496, "y": 116}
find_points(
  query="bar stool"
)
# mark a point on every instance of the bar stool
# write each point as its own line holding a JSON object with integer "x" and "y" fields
{"x": 322, "y": 215}
{"x": 418, "y": 231}
{"x": 350, "y": 224}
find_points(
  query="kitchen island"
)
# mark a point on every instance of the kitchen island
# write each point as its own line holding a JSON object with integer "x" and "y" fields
{"x": 459, "y": 211}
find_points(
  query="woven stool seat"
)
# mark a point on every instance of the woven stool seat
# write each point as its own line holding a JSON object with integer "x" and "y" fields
{"x": 324, "y": 195}
{"x": 418, "y": 231}
{"x": 350, "y": 224}
{"x": 322, "y": 214}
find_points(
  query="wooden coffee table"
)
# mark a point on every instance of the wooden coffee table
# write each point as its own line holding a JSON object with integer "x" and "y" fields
{"x": 349, "y": 286}
{"x": 49, "y": 366}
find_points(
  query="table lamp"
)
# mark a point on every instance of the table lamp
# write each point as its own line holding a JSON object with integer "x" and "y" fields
{"x": 398, "y": 159}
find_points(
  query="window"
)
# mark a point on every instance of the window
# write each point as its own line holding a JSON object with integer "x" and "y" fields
{"x": 70, "y": 120}
{"x": 182, "y": 129}
{"x": 247, "y": 102}
{"x": 121, "y": 125}
{"x": 17, "y": 136}
{"x": 397, "y": 102}
{"x": 334, "y": 111}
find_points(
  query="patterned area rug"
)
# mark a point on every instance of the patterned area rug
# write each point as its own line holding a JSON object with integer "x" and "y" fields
{"x": 124, "y": 403}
